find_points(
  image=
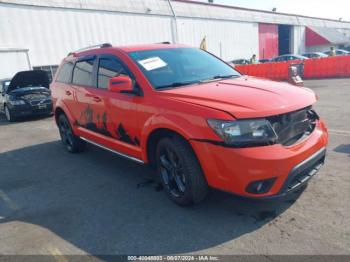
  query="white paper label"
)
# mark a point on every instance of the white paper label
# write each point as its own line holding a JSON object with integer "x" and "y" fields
{"x": 152, "y": 63}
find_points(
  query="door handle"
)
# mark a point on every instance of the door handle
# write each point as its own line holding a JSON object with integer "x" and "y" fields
{"x": 68, "y": 93}
{"x": 96, "y": 99}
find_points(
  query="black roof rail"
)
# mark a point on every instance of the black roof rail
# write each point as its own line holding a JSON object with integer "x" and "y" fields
{"x": 164, "y": 43}
{"x": 104, "y": 45}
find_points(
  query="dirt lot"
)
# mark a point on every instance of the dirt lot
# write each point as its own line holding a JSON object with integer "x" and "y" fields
{"x": 53, "y": 202}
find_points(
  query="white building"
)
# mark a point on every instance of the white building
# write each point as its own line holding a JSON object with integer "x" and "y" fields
{"x": 50, "y": 29}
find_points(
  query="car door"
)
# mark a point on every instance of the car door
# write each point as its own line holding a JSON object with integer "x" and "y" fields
{"x": 63, "y": 87}
{"x": 118, "y": 111}
{"x": 85, "y": 101}
{"x": 110, "y": 118}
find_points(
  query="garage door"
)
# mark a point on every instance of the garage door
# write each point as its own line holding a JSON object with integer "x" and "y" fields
{"x": 268, "y": 41}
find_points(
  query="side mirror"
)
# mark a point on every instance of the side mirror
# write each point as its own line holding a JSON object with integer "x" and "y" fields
{"x": 121, "y": 84}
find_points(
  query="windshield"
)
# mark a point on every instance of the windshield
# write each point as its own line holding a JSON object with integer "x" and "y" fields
{"x": 173, "y": 67}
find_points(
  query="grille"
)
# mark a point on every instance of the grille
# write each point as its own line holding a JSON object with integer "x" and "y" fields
{"x": 301, "y": 173}
{"x": 304, "y": 176}
{"x": 294, "y": 126}
{"x": 42, "y": 102}
{"x": 34, "y": 96}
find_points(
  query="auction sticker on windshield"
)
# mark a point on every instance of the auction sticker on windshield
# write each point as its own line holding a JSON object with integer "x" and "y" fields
{"x": 152, "y": 63}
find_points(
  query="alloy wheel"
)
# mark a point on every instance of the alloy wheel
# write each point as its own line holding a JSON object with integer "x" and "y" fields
{"x": 66, "y": 132}
{"x": 172, "y": 172}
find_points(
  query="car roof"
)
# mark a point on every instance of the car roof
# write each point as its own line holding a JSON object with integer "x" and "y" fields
{"x": 290, "y": 55}
{"x": 127, "y": 49}
{"x": 297, "y": 56}
{"x": 135, "y": 48}
{"x": 315, "y": 53}
{"x": 342, "y": 50}
{"x": 240, "y": 59}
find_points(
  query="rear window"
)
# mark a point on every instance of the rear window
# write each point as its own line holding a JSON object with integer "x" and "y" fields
{"x": 65, "y": 73}
{"x": 83, "y": 73}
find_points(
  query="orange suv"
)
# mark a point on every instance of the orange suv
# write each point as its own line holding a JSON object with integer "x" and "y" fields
{"x": 192, "y": 117}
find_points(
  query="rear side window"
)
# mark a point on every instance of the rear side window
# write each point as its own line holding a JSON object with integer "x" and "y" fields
{"x": 65, "y": 73}
{"x": 83, "y": 73}
{"x": 107, "y": 69}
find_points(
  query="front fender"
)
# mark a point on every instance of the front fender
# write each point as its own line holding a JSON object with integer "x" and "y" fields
{"x": 187, "y": 128}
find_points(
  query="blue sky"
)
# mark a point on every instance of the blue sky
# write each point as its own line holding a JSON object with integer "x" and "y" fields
{"x": 321, "y": 8}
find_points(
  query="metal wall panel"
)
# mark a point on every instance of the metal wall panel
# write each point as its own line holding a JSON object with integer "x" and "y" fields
{"x": 346, "y": 32}
{"x": 185, "y": 9}
{"x": 228, "y": 40}
{"x": 298, "y": 40}
{"x": 220, "y": 13}
{"x": 159, "y": 7}
{"x": 320, "y": 48}
{"x": 12, "y": 61}
{"x": 50, "y": 33}
{"x": 204, "y": 11}
{"x": 51, "y": 29}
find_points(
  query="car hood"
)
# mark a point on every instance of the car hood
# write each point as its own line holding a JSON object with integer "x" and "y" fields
{"x": 27, "y": 79}
{"x": 245, "y": 97}
{"x": 33, "y": 91}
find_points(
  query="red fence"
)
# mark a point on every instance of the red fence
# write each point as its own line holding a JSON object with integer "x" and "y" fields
{"x": 329, "y": 67}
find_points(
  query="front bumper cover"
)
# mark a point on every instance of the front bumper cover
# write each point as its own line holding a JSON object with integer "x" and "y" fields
{"x": 302, "y": 173}
{"x": 28, "y": 110}
{"x": 233, "y": 169}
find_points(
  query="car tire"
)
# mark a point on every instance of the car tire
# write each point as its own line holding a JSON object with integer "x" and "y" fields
{"x": 71, "y": 142}
{"x": 8, "y": 114}
{"x": 180, "y": 172}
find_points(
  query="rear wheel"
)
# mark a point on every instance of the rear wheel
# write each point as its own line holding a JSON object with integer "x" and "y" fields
{"x": 70, "y": 141}
{"x": 8, "y": 114}
{"x": 180, "y": 172}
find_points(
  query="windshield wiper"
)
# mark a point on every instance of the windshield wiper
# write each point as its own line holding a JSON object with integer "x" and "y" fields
{"x": 224, "y": 77}
{"x": 219, "y": 77}
{"x": 177, "y": 84}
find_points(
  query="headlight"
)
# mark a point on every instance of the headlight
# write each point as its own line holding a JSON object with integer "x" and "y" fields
{"x": 15, "y": 102}
{"x": 241, "y": 133}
